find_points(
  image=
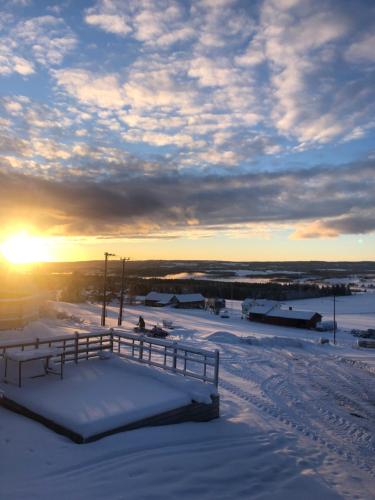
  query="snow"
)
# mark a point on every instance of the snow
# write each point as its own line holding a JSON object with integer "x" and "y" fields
{"x": 100, "y": 395}
{"x": 263, "y": 306}
{"x": 297, "y": 417}
{"x": 165, "y": 297}
{"x": 18, "y": 355}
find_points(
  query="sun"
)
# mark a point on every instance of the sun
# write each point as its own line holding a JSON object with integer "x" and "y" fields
{"x": 22, "y": 248}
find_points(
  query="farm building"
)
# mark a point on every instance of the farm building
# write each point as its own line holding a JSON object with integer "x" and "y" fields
{"x": 269, "y": 311}
{"x": 182, "y": 301}
{"x": 190, "y": 301}
{"x": 286, "y": 317}
{"x": 259, "y": 306}
{"x": 157, "y": 299}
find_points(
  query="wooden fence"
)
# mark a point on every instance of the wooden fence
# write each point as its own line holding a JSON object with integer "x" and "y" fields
{"x": 172, "y": 356}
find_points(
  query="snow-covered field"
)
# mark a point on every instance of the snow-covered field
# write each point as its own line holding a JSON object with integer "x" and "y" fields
{"x": 297, "y": 418}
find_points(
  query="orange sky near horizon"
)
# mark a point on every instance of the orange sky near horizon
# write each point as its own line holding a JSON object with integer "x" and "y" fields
{"x": 24, "y": 248}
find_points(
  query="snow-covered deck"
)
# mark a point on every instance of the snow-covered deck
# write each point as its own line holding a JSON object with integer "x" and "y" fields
{"x": 102, "y": 396}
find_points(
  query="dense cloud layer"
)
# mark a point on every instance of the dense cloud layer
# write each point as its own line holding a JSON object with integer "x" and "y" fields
{"x": 318, "y": 202}
{"x": 144, "y": 118}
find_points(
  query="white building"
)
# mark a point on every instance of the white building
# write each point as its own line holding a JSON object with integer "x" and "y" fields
{"x": 259, "y": 306}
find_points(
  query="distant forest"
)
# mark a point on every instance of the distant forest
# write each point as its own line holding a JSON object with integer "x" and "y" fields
{"x": 79, "y": 283}
{"x": 78, "y": 287}
{"x": 236, "y": 290}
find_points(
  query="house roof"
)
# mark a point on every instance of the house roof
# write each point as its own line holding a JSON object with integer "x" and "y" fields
{"x": 260, "y": 309}
{"x": 165, "y": 298}
{"x": 261, "y": 306}
{"x": 286, "y": 313}
{"x": 190, "y": 297}
{"x": 160, "y": 297}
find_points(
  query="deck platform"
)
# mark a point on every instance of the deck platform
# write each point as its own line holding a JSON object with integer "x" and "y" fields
{"x": 101, "y": 397}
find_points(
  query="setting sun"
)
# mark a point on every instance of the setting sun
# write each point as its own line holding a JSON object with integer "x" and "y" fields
{"x": 23, "y": 248}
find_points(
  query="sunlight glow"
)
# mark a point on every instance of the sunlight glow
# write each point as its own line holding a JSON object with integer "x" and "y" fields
{"x": 23, "y": 248}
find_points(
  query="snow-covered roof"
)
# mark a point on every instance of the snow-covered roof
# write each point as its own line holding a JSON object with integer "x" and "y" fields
{"x": 286, "y": 313}
{"x": 166, "y": 300}
{"x": 190, "y": 297}
{"x": 160, "y": 297}
{"x": 260, "y": 309}
{"x": 261, "y": 306}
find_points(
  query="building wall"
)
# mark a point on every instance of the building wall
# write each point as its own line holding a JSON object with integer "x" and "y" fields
{"x": 190, "y": 305}
{"x": 293, "y": 322}
{"x": 17, "y": 312}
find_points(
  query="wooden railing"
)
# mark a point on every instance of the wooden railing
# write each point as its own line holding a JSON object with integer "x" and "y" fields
{"x": 168, "y": 355}
{"x": 172, "y": 356}
{"x": 74, "y": 347}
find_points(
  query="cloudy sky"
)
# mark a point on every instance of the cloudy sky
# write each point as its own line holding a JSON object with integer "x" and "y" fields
{"x": 239, "y": 130}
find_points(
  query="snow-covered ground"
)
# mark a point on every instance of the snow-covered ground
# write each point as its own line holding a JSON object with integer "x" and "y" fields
{"x": 297, "y": 418}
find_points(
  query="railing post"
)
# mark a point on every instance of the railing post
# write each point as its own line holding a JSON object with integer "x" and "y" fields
{"x": 37, "y": 343}
{"x": 174, "y": 356}
{"x": 64, "y": 350}
{"x": 141, "y": 348}
{"x": 216, "y": 373}
{"x": 76, "y": 347}
{"x": 111, "y": 341}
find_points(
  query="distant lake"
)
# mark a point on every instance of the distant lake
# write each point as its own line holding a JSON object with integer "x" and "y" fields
{"x": 214, "y": 277}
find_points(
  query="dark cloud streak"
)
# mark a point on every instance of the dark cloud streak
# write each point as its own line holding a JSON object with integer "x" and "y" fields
{"x": 341, "y": 200}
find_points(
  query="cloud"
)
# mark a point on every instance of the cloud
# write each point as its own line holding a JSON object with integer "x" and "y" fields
{"x": 109, "y": 22}
{"x": 362, "y": 50}
{"x": 102, "y": 91}
{"x": 47, "y": 37}
{"x": 303, "y": 43}
{"x": 358, "y": 222}
{"x": 273, "y": 65}
{"x": 43, "y": 40}
{"x": 316, "y": 202}
{"x": 161, "y": 23}
{"x": 195, "y": 87}
{"x": 11, "y": 63}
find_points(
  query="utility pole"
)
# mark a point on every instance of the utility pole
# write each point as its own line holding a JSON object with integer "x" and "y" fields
{"x": 334, "y": 319}
{"x": 106, "y": 255}
{"x": 123, "y": 260}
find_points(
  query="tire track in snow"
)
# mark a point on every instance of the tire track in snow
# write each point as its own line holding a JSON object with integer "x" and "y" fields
{"x": 298, "y": 407}
{"x": 341, "y": 426}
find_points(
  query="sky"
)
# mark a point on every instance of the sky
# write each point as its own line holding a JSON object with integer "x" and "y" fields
{"x": 206, "y": 129}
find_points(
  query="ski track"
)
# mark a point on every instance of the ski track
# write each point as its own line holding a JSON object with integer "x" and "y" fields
{"x": 320, "y": 417}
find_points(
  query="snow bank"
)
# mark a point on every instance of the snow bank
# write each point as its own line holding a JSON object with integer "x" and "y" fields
{"x": 283, "y": 342}
{"x": 224, "y": 337}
